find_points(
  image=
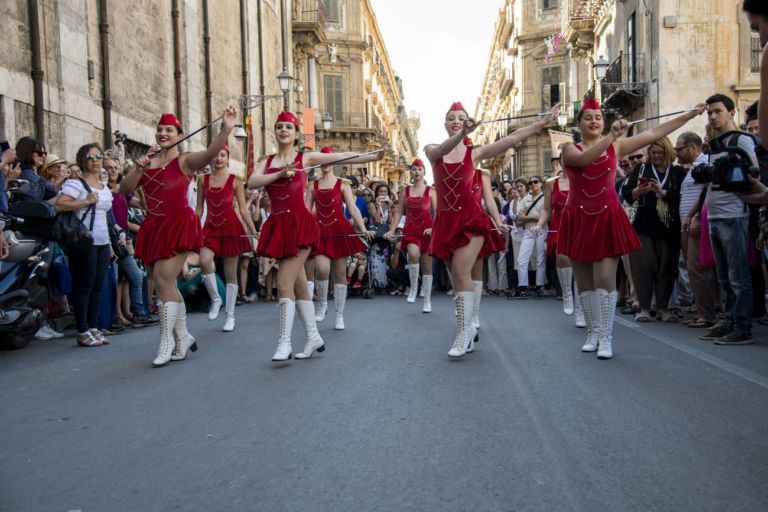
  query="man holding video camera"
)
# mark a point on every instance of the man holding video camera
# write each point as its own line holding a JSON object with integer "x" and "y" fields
{"x": 728, "y": 224}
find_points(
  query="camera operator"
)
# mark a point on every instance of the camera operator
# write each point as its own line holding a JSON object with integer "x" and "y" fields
{"x": 728, "y": 221}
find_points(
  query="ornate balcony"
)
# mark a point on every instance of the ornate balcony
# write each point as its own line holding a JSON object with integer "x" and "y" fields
{"x": 308, "y": 21}
{"x": 579, "y": 24}
{"x": 625, "y": 84}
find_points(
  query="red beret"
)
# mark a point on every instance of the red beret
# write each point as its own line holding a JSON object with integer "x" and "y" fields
{"x": 326, "y": 149}
{"x": 225, "y": 148}
{"x": 418, "y": 163}
{"x": 457, "y": 106}
{"x": 288, "y": 117}
{"x": 591, "y": 104}
{"x": 169, "y": 119}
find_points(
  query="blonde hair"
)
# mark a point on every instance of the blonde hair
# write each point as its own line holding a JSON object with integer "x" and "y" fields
{"x": 669, "y": 152}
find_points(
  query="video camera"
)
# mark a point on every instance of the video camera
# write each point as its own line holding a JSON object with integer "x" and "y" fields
{"x": 729, "y": 172}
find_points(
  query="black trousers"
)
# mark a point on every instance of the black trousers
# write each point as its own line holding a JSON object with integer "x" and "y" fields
{"x": 88, "y": 271}
{"x": 398, "y": 278}
{"x": 654, "y": 269}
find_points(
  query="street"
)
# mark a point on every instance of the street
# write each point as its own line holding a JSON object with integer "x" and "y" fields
{"x": 384, "y": 421}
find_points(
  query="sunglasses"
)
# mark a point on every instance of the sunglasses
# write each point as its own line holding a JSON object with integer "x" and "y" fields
{"x": 97, "y": 156}
{"x": 677, "y": 150}
{"x": 41, "y": 152}
{"x": 635, "y": 157}
{"x": 534, "y": 182}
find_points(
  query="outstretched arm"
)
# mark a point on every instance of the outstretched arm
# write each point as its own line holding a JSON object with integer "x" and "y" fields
{"x": 191, "y": 162}
{"x": 316, "y": 158}
{"x": 515, "y": 138}
{"x": 630, "y": 144}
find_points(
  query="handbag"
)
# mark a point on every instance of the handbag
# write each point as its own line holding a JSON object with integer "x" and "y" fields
{"x": 120, "y": 250}
{"x": 70, "y": 231}
{"x": 59, "y": 277}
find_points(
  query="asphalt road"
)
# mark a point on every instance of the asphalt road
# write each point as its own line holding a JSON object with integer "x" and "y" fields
{"x": 384, "y": 421}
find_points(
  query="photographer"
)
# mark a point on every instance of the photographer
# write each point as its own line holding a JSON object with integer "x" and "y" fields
{"x": 729, "y": 231}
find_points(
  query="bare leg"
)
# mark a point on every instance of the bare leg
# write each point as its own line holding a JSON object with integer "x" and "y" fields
{"x": 206, "y": 261}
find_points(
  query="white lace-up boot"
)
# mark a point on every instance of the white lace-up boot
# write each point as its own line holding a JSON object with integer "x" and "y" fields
{"x": 413, "y": 274}
{"x": 340, "y": 298}
{"x": 578, "y": 309}
{"x": 322, "y": 297}
{"x": 566, "y": 280}
{"x": 311, "y": 289}
{"x": 464, "y": 306}
{"x": 167, "y": 312}
{"x": 183, "y": 341}
{"x": 426, "y": 286}
{"x": 477, "y": 290}
{"x": 209, "y": 280}
{"x": 229, "y": 308}
{"x": 590, "y": 307}
{"x": 306, "y": 312}
{"x": 607, "y": 301}
{"x": 287, "y": 312}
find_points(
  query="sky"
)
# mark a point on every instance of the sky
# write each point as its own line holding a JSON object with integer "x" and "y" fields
{"x": 440, "y": 49}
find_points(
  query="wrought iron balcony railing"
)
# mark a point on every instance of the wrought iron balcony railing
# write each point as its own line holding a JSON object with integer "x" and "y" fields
{"x": 628, "y": 74}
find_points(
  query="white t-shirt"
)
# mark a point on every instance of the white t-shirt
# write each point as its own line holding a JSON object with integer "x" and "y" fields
{"x": 75, "y": 189}
{"x": 725, "y": 205}
{"x": 690, "y": 190}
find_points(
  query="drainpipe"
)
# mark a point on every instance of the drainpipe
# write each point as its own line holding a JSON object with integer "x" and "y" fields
{"x": 262, "y": 88}
{"x": 207, "y": 51}
{"x": 37, "y": 69}
{"x": 176, "y": 15}
{"x": 106, "y": 95}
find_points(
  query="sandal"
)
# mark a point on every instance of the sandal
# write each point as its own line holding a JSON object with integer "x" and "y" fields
{"x": 700, "y": 323}
{"x": 642, "y": 317}
{"x": 88, "y": 340}
{"x": 669, "y": 317}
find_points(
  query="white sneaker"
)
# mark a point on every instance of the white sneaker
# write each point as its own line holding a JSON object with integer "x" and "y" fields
{"x": 42, "y": 334}
{"x": 52, "y": 332}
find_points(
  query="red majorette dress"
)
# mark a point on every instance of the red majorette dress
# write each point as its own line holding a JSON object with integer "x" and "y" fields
{"x": 594, "y": 226}
{"x": 223, "y": 233}
{"x": 418, "y": 217}
{"x": 459, "y": 215}
{"x": 291, "y": 226}
{"x": 171, "y": 226}
{"x": 559, "y": 199}
{"x": 335, "y": 230}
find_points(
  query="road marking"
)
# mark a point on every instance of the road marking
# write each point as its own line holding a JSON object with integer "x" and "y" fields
{"x": 698, "y": 354}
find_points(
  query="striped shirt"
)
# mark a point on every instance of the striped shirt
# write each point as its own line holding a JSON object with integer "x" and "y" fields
{"x": 690, "y": 190}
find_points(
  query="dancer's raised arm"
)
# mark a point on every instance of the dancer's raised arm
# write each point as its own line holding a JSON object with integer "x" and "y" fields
{"x": 515, "y": 138}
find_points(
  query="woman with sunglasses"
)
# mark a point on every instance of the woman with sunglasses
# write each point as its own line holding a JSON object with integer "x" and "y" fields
{"x": 417, "y": 203}
{"x": 223, "y": 233}
{"x": 171, "y": 229}
{"x": 529, "y": 212}
{"x": 291, "y": 232}
{"x": 337, "y": 239}
{"x": 594, "y": 230}
{"x": 91, "y": 198}
{"x": 31, "y": 154}
{"x": 463, "y": 231}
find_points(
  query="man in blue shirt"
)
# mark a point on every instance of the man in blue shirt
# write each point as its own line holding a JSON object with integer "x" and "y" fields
{"x": 360, "y": 201}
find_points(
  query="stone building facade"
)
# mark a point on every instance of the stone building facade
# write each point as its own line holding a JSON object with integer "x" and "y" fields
{"x": 523, "y": 77}
{"x": 663, "y": 56}
{"x": 343, "y": 70}
{"x": 106, "y": 66}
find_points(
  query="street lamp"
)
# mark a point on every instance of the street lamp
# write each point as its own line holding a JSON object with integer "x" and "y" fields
{"x": 562, "y": 119}
{"x": 285, "y": 80}
{"x": 327, "y": 122}
{"x": 601, "y": 68}
{"x": 240, "y": 132}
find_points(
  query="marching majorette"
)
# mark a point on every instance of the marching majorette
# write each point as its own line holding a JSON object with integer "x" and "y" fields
{"x": 594, "y": 230}
{"x": 171, "y": 229}
{"x": 417, "y": 204}
{"x": 556, "y": 192}
{"x": 223, "y": 233}
{"x": 338, "y": 239}
{"x": 291, "y": 231}
{"x": 463, "y": 231}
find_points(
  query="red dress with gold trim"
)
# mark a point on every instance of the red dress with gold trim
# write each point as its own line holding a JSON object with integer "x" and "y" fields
{"x": 171, "y": 226}
{"x": 335, "y": 230}
{"x": 291, "y": 226}
{"x": 559, "y": 199}
{"x": 459, "y": 216}
{"x": 417, "y": 218}
{"x": 223, "y": 232}
{"x": 593, "y": 225}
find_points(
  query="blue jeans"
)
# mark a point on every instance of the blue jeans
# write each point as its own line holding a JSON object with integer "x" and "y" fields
{"x": 730, "y": 242}
{"x": 130, "y": 270}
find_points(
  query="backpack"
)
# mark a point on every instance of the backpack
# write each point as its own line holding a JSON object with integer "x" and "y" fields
{"x": 70, "y": 231}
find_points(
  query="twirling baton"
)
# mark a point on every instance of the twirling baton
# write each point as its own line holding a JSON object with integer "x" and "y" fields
{"x": 469, "y": 124}
{"x": 660, "y": 116}
{"x": 312, "y": 176}
{"x": 246, "y": 103}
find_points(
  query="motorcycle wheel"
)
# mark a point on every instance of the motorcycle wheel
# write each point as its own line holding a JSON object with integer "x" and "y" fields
{"x": 15, "y": 342}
